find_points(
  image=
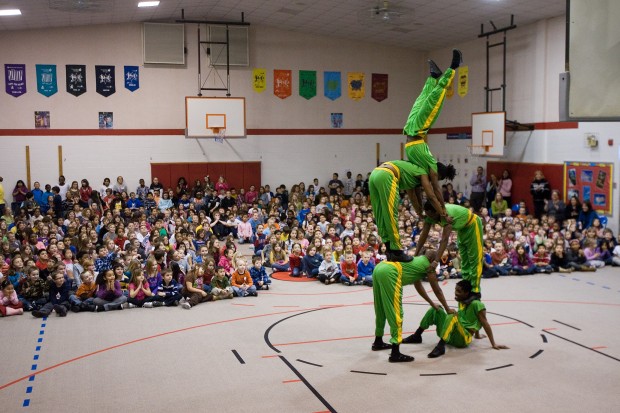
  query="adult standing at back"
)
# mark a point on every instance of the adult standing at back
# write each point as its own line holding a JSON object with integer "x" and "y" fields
{"x": 348, "y": 186}
{"x": 541, "y": 193}
{"x": 505, "y": 187}
{"x": 333, "y": 184}
{"x": 2, "y": 201}
{"x": 478, "y": 184}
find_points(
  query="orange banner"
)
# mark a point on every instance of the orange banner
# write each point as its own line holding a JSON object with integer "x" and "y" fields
{"x": 282, "y": 83}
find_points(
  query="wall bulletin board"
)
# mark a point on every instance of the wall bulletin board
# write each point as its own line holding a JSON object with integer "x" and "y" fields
{"x": 590, "y": 182}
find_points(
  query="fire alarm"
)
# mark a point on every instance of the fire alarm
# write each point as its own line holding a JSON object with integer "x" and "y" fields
{"x": 610, "y": 142}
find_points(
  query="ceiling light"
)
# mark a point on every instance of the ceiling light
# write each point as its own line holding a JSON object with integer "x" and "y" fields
{"x": 10, "y": 12}
{"x": 148, "y": 4}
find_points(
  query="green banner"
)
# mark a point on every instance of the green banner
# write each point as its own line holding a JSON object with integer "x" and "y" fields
{"x": 307, "y": 83}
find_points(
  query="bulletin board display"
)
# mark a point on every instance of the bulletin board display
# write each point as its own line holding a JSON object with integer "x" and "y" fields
{"x": 590, "y": 182}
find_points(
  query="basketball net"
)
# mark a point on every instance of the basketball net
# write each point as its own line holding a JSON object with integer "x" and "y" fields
{"x": 219, "y": 134}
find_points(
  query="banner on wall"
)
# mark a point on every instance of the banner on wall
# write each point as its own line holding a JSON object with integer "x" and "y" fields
{"x": 332, "y": 84}
{"x": 463, "y": 81}
{"x": 307, "y": 83}
{"x": 450, "y": 90}
{"x": 132, "y": 78}
{"x": 590, "y": 182}
{"x": 106, "y": 83}
{"x": 259, "y": 80}
{"x": 355, "y": 82}
{"x": 282, "y": 83}
{"x": 76, "y": 79}
{"x": 15, "y": 79}
{"x": 47, "y": 82}
{"x": 379, "y": 88}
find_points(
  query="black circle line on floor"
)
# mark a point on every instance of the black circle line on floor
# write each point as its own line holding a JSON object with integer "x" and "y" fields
{"x": 270, "y": 345}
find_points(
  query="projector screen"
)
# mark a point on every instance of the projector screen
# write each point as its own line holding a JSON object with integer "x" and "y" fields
{"x": 592, "y": 85}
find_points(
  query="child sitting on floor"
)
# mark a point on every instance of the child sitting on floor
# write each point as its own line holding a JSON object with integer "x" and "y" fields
{"x": 259, "y": 274}
{"x": 220, "y": 285}
{"x": 241, "y": 281}
{"x": 329, "y": 271}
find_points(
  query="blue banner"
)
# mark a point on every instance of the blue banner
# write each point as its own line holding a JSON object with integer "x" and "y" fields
{"x": 15, "y": 77}
{"x": 132, "y": 78}
{"x": 332, "y": 84}
{"x": 47, "y": 82}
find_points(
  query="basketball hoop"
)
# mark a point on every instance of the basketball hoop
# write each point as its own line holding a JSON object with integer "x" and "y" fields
{"x": 219, "y": 134}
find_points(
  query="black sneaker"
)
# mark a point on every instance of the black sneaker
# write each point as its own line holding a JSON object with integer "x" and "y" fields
{"x": 457, "y": 58}
{"x": 38, "y": 314}
{"x": 435, "y": 71}
{"x": 76, "y": 308}
{"x": 399, "y": 256}
{"x": 61, "y": 310}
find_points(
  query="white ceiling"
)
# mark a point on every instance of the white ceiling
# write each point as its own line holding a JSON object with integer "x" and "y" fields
{"x": 434, "y": 23}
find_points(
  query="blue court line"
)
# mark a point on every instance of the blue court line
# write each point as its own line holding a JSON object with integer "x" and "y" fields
{"x": 591, "y": 283}
{"x": 606, "y": 287}
{"x": 35, "y": 357}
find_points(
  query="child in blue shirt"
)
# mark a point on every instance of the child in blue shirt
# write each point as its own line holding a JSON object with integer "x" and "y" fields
{"x": 259, "y": 274}
{"x": 365, "y": 267}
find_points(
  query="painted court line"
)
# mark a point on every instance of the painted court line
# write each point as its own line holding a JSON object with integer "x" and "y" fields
{"x": 35, "y": 357}
{"x": 238, "y": 356}
{"x": 295, "y": 343}
{"x": 138, "y": 340}
{"x": 291, "y": 381}
{"x": 567, "y": 325}
{"x": 500, "y": 367}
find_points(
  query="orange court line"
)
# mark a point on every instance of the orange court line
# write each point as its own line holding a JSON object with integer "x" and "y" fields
{"x": 291, "y": 381}
{"x": 285, "y": 306}
{"x": 294, "y": 343}
{"x": 549, "y": 329}
{"x": 246, "y": 305}
{"x": 269, "y": 357}
{"x": 598, "y": 347}
{"x": 138, "y": 340}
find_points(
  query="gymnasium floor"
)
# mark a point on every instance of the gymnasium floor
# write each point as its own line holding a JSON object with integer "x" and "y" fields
{"x": 305, "y": 347}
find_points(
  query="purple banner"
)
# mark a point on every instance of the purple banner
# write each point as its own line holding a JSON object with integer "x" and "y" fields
{"x": 15, "y": 78}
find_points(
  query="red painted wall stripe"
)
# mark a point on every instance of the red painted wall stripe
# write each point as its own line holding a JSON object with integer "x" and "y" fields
{"x": 255, "y": 132}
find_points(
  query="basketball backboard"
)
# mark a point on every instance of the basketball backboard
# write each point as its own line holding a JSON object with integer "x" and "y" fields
{"x": 214, "y": 117}
{"x": 488, "y": 133}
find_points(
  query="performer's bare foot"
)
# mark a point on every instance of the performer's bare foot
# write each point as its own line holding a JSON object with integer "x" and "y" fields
{"x": 397, "y": 356}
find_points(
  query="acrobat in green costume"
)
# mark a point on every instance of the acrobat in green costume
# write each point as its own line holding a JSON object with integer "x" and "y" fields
{"x": 454, "y": 329}
{"x": 384, "y": 185}
{"x": 423, "y": 115}
{"x": 388, "y": 280}
{"x": 469, "y": 231}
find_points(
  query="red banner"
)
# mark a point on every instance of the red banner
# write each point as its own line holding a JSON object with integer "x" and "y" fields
{"x": 282, "y": 83}
{"x": 379, "y": 86}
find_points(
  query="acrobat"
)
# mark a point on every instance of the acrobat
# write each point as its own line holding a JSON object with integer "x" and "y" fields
{"x": 385, "y": 183}
{"x": 456, "y": 329}
{"x": 469, "y": 232}
{"x": 388, "y": 281}
{"x": 424, "y": 113}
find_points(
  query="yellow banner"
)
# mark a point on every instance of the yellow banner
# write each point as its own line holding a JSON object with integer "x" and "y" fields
{"x": 259, "y": 80}
{"x": 355, "y": 81}
{"x": 450, "y": 90}
{"x": 463, "y": 80}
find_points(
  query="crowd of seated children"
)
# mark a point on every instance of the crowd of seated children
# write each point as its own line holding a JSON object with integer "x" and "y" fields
{"x": 153, "y": 246}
